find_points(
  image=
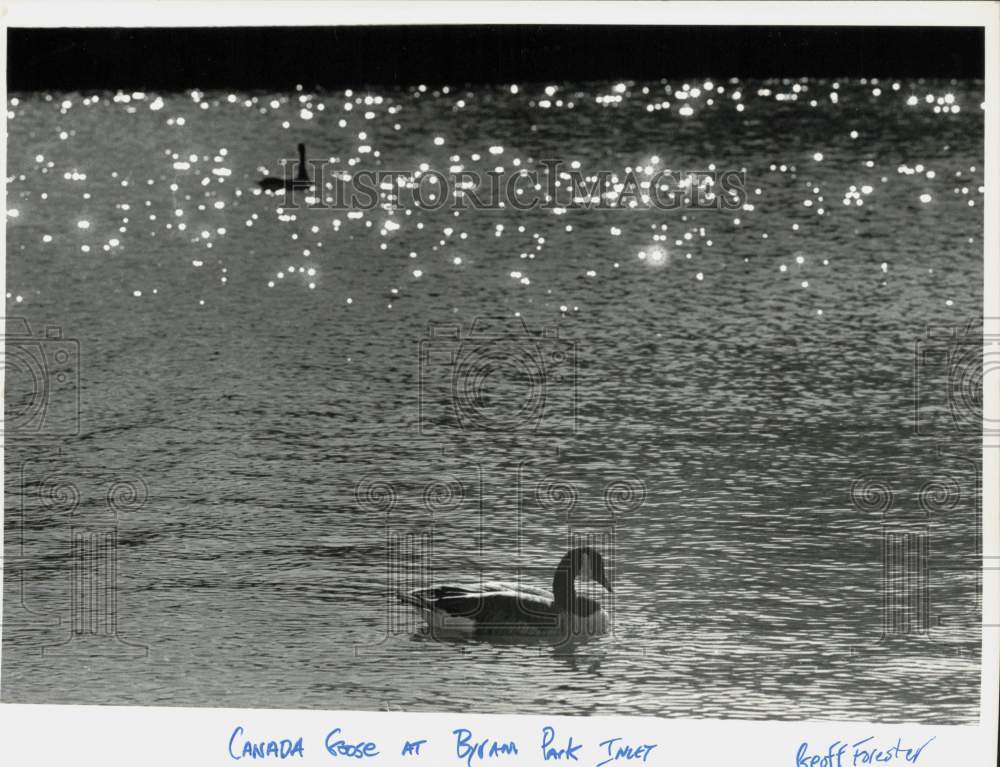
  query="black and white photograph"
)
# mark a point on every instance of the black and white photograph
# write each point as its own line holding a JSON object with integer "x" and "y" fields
{"x": 629, "y": 370}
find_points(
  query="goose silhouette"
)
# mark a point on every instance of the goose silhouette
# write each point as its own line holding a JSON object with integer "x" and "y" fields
{"x": 301, "y": 180}
{"x": 494, "y": 609}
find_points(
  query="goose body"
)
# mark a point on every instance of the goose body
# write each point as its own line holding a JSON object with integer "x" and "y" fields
{"x": 496, "y": 608}
{"x": 301, "y": 180}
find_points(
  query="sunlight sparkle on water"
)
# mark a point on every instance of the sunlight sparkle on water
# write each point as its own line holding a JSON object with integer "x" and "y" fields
{"x": 195, "y": 203}
{"x": 655, "y": 256}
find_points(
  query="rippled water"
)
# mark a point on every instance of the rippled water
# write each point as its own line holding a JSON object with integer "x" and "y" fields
{"x": 259, "y": 446}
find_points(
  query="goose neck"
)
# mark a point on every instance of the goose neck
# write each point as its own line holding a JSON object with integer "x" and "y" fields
{"x": 564, "y": 587}
{"x": 302, "y": 174}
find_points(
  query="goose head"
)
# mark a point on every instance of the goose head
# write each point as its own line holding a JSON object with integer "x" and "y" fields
{"x": 586, "y": 563}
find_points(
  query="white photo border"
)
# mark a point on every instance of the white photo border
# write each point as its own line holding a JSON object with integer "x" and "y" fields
{"x": 152, "y": 736}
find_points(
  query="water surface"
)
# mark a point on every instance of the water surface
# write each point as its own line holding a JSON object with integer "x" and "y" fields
{"x": 252, "y": 428}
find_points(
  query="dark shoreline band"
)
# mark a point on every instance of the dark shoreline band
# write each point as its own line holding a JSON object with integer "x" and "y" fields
{"x": 280, "y": 58}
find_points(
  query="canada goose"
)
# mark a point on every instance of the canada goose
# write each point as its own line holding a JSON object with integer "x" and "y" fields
{"x": 301, "y": 180}
{"x": 495, "y": 608}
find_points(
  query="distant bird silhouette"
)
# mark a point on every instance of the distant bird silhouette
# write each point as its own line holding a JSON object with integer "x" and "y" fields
{"x": 301, "y": 180}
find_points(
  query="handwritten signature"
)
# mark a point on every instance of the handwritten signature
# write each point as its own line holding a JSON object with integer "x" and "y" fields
{"x": 861, "y": 752}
